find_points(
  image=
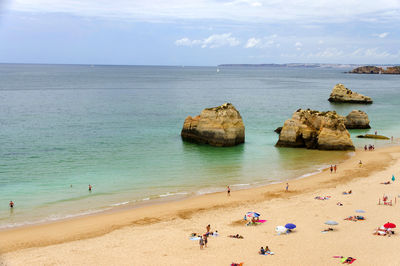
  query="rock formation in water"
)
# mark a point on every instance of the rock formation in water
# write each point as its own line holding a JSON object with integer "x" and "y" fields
{"x": 217, "y": 126}
{"x": 357, "y": 119}
{"x": 367, "y": 70}
{"x": 376, "y": 70}
{"x": 341, "y": 94}
{"x": 370, "y": 136}
{"x": 315, "y": 130}
{"x": 278, "y": 130}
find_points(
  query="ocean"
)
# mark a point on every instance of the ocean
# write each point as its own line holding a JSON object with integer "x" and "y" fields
{"x": 63, "y": 127}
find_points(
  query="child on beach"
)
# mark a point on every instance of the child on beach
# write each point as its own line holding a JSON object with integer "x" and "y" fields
{"x": 360, "y": 164}
{"x": 201, "y": 242}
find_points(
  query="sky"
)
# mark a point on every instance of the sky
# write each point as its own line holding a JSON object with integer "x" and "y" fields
{"x": 199, "y": 33}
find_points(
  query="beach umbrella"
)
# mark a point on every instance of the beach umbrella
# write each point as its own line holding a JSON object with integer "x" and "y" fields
{"x": 252, "y": 214}
{"x": 389, "y": 225}
{"x": 280, "y": 229}
{"x": 360, "y": 211}
{"x": 331, "y": 222}
{"x": 393, "y": 178}
{"x": 290, "y": 226}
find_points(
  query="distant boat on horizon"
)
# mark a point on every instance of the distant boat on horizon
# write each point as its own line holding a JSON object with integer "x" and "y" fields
{"x": 217, "y": 69}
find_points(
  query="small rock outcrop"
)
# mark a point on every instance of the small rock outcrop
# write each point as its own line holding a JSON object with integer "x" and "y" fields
{"x": 315, "y": 130}
{"x": 278, "y": 130}
{"x": 370, "y": 136}
{"x": 367, "y": 70}
{"x": 341, "y": 94}
{"x": 376, "y": 70}
{"x": 357, "y": 119}
{"x": 218, "y": 126}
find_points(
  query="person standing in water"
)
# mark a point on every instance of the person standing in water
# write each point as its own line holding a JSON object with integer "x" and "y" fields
{"x": 228, "y": 190}
{"x": 11, "y": 204}
{"x": 90, "y": 187}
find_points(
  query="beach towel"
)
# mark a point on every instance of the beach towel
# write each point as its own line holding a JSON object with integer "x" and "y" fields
{"x": 195, "y": 238}
{"x": 345, "y": 258}
{"x": 268, "y": 253}
{"x": 261, "y": 221}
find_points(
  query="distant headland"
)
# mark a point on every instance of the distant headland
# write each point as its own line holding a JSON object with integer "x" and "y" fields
{"x": 357, "y": 68}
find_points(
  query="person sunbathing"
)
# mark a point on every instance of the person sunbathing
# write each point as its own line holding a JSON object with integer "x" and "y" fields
{"x": 348, "y": 260}
{"x": 339, "y": 204}
{"x": 236, "y": 236}
{"x": 327, "y": 230}
{"x": 386, "y": 183}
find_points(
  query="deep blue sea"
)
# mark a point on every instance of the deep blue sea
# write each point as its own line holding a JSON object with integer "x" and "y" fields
{"x": 117, "y": 128}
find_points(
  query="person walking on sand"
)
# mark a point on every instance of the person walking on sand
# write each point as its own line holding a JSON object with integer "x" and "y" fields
{"x": 331, "y": 169}
{"x": 205, "y": 240}
{"x": 208, "y": 228}
{"x": 11, "y": 204}
{"x": 287, "y": 187}
{"x": 201, "y": 242}
{"x": 335, "y": 168}
{"x": 228, "y": 190}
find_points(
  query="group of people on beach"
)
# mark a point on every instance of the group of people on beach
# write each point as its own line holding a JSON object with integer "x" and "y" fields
{"x": 369, "y": 147}
{"x": 203, "y": 239}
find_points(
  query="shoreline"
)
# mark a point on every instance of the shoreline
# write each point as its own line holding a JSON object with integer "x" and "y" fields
{"x": 174, "y": 197}
{"x": 99, "y": 224}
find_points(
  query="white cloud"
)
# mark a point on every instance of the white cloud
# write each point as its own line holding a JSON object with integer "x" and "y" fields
{"x": 298, "y": 46}
{"x": 381, "y": 35}
{"x": 261, "y": 42}
{"x": 213, "y": 41}
{"x": 323, "y": 11}
{"x": 252, "y": 42}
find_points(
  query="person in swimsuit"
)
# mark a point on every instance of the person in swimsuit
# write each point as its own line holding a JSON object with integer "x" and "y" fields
{"x": 205, "y": 240}
{"x": 229, "y": 190}
{"x": 208, "y": 228}
{"x": 262, "y": 251}
{"x": 90, "y": 187}
{"x": 335, "y": 168}
{"x": 287, "y": 187}
{"x": 201, "y": 243}
{"x": 11, "y": 204}
{"x": 331, "y": 169}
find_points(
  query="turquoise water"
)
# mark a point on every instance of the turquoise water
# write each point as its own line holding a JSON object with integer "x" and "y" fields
{"x": 118, "y": 128}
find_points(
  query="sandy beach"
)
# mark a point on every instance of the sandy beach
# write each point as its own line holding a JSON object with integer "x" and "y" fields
{"x": 159, "y": 234}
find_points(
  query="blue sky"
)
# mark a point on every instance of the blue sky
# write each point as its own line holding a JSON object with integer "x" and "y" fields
{"x": 202, "y": 32}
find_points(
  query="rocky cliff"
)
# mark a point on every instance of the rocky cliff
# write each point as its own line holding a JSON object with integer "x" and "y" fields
{"x": 376, "y": 70}
{"x": 357, "y": 119}
{"x": 341, "y": 94}
{"x": 218, "y": 126}
{"x": 315, "y": 130}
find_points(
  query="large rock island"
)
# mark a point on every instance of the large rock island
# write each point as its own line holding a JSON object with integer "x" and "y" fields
{"x": 217, "y": 126}
{"x": 376, "y": 70}
{"x": 341, "y": 94}
{"x": 315, "y": 130}
{"x": 357, "y": 119}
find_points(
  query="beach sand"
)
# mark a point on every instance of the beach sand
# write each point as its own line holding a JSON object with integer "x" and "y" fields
{"x": 159, "y": 234}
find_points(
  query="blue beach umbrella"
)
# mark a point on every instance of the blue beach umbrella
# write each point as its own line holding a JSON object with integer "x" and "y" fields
{"x": 393, "y": 178}
{"x": 290, "y": 226}
{"x": 252, "y": 214}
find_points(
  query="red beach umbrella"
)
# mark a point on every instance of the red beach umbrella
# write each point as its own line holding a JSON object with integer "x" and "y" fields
{"x": 389, "y": 225}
